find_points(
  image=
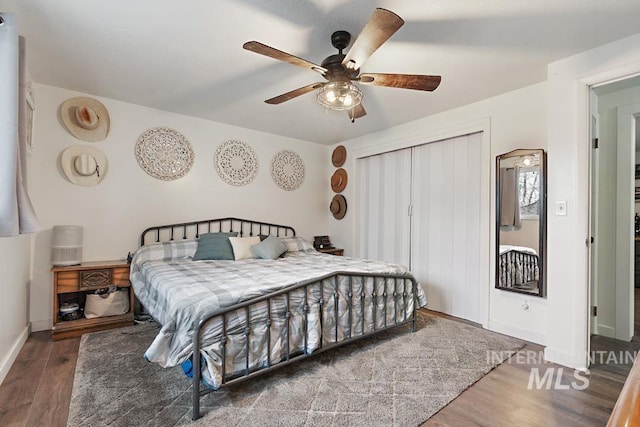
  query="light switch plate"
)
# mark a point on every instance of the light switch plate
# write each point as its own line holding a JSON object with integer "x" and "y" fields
{"x": 561, "y": 208}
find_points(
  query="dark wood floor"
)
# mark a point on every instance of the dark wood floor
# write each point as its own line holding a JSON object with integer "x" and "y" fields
{"x": 38, "y": 387}
{"x": 501, "y": 398}
{"x": 636, "y": 319}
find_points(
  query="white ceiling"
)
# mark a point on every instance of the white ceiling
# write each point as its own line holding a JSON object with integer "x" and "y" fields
{"x": 187, "y": 57}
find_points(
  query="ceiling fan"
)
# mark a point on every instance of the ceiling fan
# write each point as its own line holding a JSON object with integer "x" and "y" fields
{"x": 338, "y": 92}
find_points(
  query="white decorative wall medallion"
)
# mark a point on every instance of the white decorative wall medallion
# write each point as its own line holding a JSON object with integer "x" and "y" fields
{"x": 236, "y": 163}
{"x": 287, "y": 170}
{"x": 164, "y": 153}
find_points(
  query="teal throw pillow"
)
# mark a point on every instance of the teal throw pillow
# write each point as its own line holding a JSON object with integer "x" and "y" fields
{"x": 214, "y": 246}
{"x": 269, "y": 248}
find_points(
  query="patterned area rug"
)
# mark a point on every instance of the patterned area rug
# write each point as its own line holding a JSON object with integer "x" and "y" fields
{"x": 397, "y": 378}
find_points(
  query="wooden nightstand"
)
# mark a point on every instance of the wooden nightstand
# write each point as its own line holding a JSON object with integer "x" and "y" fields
{"x": 332, "y": 251}
{"x": 73, "y": 283}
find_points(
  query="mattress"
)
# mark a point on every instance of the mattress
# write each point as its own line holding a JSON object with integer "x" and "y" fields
{"x": 506, "y": 248}
{"x": 178, "y": 292}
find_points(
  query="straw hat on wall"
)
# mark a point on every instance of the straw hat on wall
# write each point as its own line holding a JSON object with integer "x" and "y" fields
{"x": 338, "y": 206}
{"x": 84, "y": 165}
{"x": 85, "y": 118}
{"x": 339, "y": 156}
{"x": 339, "y": 180}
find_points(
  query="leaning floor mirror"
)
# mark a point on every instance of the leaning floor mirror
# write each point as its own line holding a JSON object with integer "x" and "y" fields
{"x": 521, "y": 220}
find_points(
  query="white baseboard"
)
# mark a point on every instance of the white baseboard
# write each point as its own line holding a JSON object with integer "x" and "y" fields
{"x": 41, "y": 325}
{"x": 564, "y": 359}
{"x": 606, "y": 331}
{"x": 12, "y": 355}
{"x": 523, "y": 334}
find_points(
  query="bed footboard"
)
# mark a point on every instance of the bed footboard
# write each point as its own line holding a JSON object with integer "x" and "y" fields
{"x": 314, "y": 316}
{"x": 518, "y": 269}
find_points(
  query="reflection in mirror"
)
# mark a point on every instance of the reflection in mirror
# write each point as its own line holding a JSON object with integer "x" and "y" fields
{"x": 521, "y": 221}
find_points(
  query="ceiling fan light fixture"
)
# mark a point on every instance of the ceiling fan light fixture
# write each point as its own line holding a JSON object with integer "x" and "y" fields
{"x": 528, "y": 161}
{"x": 339, "y": 95}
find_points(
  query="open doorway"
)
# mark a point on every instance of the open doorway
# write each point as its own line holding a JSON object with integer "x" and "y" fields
{"x": 615, "y": 200}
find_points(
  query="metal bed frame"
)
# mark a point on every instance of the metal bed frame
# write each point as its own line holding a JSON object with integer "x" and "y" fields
{"x": 528, "y": 264}
{"x": 193, "y": 229}
{"x": 398, "y": 294}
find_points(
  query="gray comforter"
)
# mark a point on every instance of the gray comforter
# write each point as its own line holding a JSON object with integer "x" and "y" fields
{"x": 178, "y": 292}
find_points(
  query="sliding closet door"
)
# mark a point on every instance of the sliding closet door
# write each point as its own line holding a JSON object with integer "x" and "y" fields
{"x": 446, "y": 244}
{"x": 384, "y": 195}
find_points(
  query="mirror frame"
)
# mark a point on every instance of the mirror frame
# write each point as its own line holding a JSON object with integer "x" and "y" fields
{"x": 542, "y": 232}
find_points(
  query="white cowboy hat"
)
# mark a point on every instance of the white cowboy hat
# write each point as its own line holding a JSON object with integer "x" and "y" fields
{"x": 84, "y": 165}
{"x": 86, "y": 118}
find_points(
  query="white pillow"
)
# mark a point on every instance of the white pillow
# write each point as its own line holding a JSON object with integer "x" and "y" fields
{"x": 242, "y": 246}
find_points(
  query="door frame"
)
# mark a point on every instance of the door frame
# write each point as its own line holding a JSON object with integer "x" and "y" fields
{"x": 626, "y": 126}
{"x": 594, "y": 168}
{"x": 624, "y": 265}
{"x": 584, "y": 86}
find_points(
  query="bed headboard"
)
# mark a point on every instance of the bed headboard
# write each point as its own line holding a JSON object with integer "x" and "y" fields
{"x": 192, "y": 230}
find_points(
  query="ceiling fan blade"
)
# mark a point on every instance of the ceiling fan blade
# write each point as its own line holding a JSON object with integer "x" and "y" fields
{"x": 405, "y": 81}
{"x": 294, "y": 93}
{"x": 382, "y": 24}
{"x": 271, "y": 52}
{"x": 357, "y": 112}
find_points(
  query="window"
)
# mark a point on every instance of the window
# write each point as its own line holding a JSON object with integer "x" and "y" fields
{"x": 529, "y": 192}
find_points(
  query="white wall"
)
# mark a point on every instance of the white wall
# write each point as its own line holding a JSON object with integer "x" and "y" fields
{"x": 527, "y": 235}
{"x": 116, "y": 211}
{"x": 607, "y": 189}
{"x": 568, "y": 144}
{"x": 14, "y": 279}
{"x": 15, "y": 252}
{"x": 517, "y": 120}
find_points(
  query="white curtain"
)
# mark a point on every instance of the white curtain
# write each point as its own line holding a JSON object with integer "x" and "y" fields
{"x": 384, "y": 196}
{"x": 16, "y": 212}
{"x": 446, "y": 224}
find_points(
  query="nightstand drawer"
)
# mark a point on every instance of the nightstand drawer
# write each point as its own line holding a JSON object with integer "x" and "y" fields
{"x": 73, "y": 281}
{"x": 67, "y": 281}
{"x": 91, "y": 279}
{"x": 120, "y": 277}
